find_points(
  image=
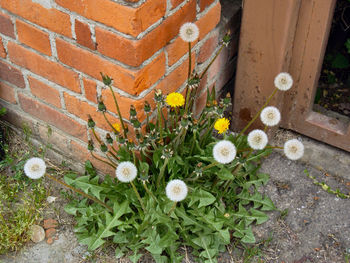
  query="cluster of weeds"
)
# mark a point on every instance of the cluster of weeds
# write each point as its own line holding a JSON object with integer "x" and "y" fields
{"x": 21, "y": 200}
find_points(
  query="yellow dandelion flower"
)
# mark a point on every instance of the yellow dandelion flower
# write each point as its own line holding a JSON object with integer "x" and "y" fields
{"x": 221, "y": 125}
{"x": 175, "y": 99}
{"x": 116, "y": 127}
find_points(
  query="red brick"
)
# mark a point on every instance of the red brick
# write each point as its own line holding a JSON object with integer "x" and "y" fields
{"x": 82, "y": 109}
{"x": 50, "y": 223}
{"x": 33, "y": 37}
{"x": 83, "y": 33}
{"x": 53, "y": 117}
{"x": 175, "y": 3}
{"x": 204, "y": 4}
{"x": 131, "y": 81}
{"x": 44, "y": 67}
{"x": 51, "y": 19}
{"x": 11, "y": 74}
{"x": 7, "y": 93}
{"x": 208, "y": 48}
{"x": 177, "y": 49}
{"x": 60, "y": 140}
{"x": 201, "y": 101}
{"x": 50, "y": 232}
{"x": 209, "y": 21}
{"x": 125, "y": 19}
{"x": 2, "y": 49}
{"x": 90, "y": 90}
{"x": 6, "y": 26}
{"x": 44, "y": 92}
{"x": 134, "y": 52}
{"x": 79, "y": 152}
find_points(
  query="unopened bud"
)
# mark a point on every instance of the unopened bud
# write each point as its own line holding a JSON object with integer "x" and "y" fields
{"x": 106, "y": 79}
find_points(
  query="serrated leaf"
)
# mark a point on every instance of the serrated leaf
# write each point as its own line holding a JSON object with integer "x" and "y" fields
{"x": 225, "y": 174}
{"x": 259, "y": 201}
{"x": 205, "y": 198}
{"x": 259, "y": 216}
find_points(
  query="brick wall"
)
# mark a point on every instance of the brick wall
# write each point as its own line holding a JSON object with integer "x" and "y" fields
{"x": 52, "y": 53}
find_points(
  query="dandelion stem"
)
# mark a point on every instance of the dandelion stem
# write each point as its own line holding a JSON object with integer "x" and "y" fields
{"x": 99, "y": 159}
{"x": 172, "y": 208}
{"x": 258, "y": 113}
{"x": 80, "y": 192}
{"x": 109, "y": 123}
{"x": 149, "y": 192}
{"x": 160, "y": 124}
{"x": 118, "y": 111}
{"x": 138, "y": 196}
{"x": 162, "y": 170}
{"x": 189, "y": 60}
{"x": 211, "y": 62}
{"x": 96, "y": 137}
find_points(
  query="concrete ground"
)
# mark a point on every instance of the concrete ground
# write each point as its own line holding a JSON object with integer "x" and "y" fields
{"x": 314, "y": 227}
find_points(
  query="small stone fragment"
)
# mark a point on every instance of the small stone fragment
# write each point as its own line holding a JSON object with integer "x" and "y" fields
{"x": 51, "y": 199}
{"x": 50, "y": 232}
{"x": 49, "y": 241}
{"x": 37, "y": 233}
{"x": 50, "y": 223}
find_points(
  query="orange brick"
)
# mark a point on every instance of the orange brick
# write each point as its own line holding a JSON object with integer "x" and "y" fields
{"x": 209, "y": 21}
{"x": 53, "y": 117}
{"x": 51, "y": 19}
{"x": 131, "y": 81}
{"x": 83, "y": 33}
{"x": 33, "y": 37}
{"x": 6, "y": 26}
{"x": 90, "y": 90}
{"x": 2, "y": 49}
{"x": 208, "y": 48}
{"x": 44, "y": 67}
{"x": 204, "y": 4}
{"x": 175, "y": 3}
{"x": 125, "y": 19}
{"x": 134, "y": 52}
{"x": 7, "y": 93}
{"x": 177, "y": 49}
{"x": 11, "y": 74}
{"x": 82, "y": 109}
{"x": 80, "y": 153}
{"x": 44, "y": 92}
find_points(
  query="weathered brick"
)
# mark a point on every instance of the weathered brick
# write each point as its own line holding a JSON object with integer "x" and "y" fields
{"x": 82, "y": 109}
{"x": 7, "y": 93}
{"x": 175, "y": 3}
{"x": 52, "y": 116}
{"x": 2, "y": 49}
{"x": 51, "y": 19}
{"x": 90, "y": 90}
{"x": 44, "y": 67}
{"x": 11, "y": 74}
{"x": 131, "y": 81}
{"x": 208, "y": 48}
{"x": 33, "y": 37}
{"x": 209, "y": 21}
{"x": 125, "y": 19}
{"x": 134, "y": 52}
{"x": 80, "y": 153}
{"x": 58, "y": 139}
{"x": 204, "y": 4}
{"x": 6, "y": 26}
{"x": 44, "y": 92}
{"x": 83, "y": 34}
{"x": 177, "y": 49}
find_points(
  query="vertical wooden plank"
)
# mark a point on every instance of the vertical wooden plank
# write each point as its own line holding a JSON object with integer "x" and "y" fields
{"x": 265, "y": 49}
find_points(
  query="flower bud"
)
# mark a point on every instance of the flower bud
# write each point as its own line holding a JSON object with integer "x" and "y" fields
{"x": 90, "y": 145}
{"x": 109, "y": 139}
{"x": 101, "y": 106}
{"x": 106, "y": 79}
{"x": 147, "y": 107}
{"x": 132, "y": 111}
{"x": 104, "y": 147}
{"x": 91, "y": 123}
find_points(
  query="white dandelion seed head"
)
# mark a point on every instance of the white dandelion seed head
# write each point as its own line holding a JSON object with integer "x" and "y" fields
{"x": 224, "y": 152}
{"x": 126, "y": 172}
{"x": 257, "y": 139}
{"x": 189, "y": 32}
{"x": 283, "y": 81}
{"x": 35, "y": 168}
{"x": 176, "y": 190}
{"x": 293, "y": 149}
{"x": 270, "y": 116}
